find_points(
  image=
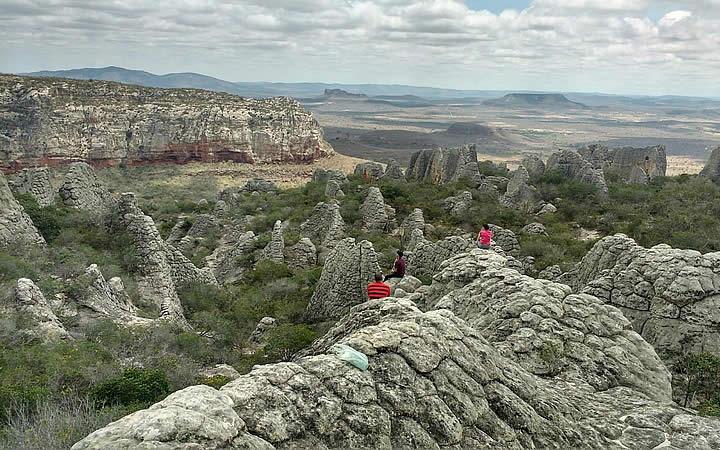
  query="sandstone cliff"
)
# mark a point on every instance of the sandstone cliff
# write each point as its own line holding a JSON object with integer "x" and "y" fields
{"x": 46, "y": 121}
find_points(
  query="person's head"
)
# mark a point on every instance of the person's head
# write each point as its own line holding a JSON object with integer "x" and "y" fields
{"x": 378, "y": 276}
{"x": 400, "y": 253}
{"x": 486, "y": 226}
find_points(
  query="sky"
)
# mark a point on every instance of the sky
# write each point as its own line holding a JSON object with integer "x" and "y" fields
{"x": 641, "y": 47}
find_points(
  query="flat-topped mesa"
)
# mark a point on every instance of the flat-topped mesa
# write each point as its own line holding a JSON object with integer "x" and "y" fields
{"x": 445, "y": 165}
{"x": 631, "y": 165}
{"x": 35, "y": 182}
{"x": 572, "y": 165}
{"x": 55, "y": 121}
{"x": 16, "y": 227}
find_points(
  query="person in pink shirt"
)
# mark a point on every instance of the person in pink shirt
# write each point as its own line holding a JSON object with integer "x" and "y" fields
{"x": 485, "y": 237}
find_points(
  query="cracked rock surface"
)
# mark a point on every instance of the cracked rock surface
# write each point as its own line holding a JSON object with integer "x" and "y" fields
{"x": 232, "y": 258}
{"x": 274, "y": 250}
{"x": 302, "y": 255}
{"x": 458, "y": 204}
{"x": 81, "y": 189}
{"x": 35, "y": 182}
{"x": 445, "y": 165}
{"x": 376, "y": 215}
{"x": 520, "y": 194}
{"x": 16, "y": 227}
{"x": 572, "y": 165}
{"x": 325, "y": 226}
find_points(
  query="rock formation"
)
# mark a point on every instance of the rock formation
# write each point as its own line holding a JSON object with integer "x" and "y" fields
{"x": 333, "y": 190}
{"x": 220, "y": 370}
{"x": 393, "y": 172}
{"x": 535, "y": 228}
{"x": 534, "y": 166}
{"x": 348, "y": 269}
{"x": 325, "y": 225}
{"x": 232, "y": 258}
{"x": 302, "y": 255}
{"x": 629, "y": 164}
{"x": 433, "y": 381}
{"x": 505, "y": 239}
{"x": 376, "y": 215}
{"x": 424, "y": 257}
{"x": 16, "y": 227}
{"x": 179, "y": 230}
{"x": 414, "y": 221}
{"x": 549, "y": 208}
{"x": 445, "y": 165}
{"x": 369, "y": 171}
{"x": 324, "y": 175}
{"x": 274, "y": 250}
{"x": 81, "y": 189}
{"x": 52, "y": 121}
{"x": 458, "y": 205}
{"x": 520, "y": 194}
{"x": 259, "y": 185}
{"x": 570, "y": 164}
{"x": 35, "y": 311}
{"x": 35, "y": 182}
{"x": 259, "y": 334}
{"x": 712, "y": 166}
{"x": 670, "y": 296}
{"x": 204, "y": 226}
{"x": 551, "y": 273}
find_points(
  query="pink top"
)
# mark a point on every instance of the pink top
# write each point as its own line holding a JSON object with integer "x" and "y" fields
{"x": 485, "y": 236}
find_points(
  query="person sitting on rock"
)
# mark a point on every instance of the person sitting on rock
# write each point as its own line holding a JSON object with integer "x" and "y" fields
{"x": 378, "y": 289}
{"x": 485, "y": 237}
{"x": 398, "y": 266}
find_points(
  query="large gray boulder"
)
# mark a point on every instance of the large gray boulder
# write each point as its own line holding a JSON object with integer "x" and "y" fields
{"x": 458, "y": 205}
{"x": 634, "y": 165}
{"x": 259, "y": 185}
{"x": 445, "y": 165}
{"x": 35, "y": 182}
{"x": 433, "y": 381}
{"x": 38, "y": 320}
{"x": 333, "y": 190}
{"x": 348, "y": 269}
{"x": 534, "y": 165}
{"x": 275, "y": 249}
{"x": 376, "y": 215}
{"x": 203, "y": 227}
{"x": 505, "y": 239}
{"x": 324, "y": 175}
{"x": 414, "y": 221}
{"x": 325, "y": 226}
{"x": 302, "y": 255}
{"x": 424, "y": 257}
{"x": 712, "y": 166}
{"x": 232, "y": 259}
{"x": 369, "y": 171}
{"x": 81, "y": 189}
{"x": 16, "y": 227}
{"x": 520, "y": 194}
{"x": 572, "y": 165}
{"x": 393, "y": 172}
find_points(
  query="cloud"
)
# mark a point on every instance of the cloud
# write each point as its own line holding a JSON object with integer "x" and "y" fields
{"x": 602, "y": 44}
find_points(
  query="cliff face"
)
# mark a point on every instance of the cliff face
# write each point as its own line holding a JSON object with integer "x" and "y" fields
{"x": 45, "y": 121}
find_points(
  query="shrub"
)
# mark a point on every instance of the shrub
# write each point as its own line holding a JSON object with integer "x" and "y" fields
{"x": 697, "y": 379}
{"x": 267, "y": 271}
{"x": 286, "y": 340}
{"x": 216, "y": 381}
{"x": 48, "y": 220}
{"x": 134, "y": 386}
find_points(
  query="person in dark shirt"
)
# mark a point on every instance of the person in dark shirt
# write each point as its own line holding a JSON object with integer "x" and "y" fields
{"x": 378, "y": 289}
{"x": 398, "y": 266}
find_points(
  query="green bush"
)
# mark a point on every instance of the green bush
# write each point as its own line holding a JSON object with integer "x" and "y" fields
{"x": 134, "y": 386}
{"x": 286, "y": 340}
{"x": 697, "y": 381}
{"x": 48, "y": 220}
{"x": 216, "y": 381}
{"x": 267, "y": 271}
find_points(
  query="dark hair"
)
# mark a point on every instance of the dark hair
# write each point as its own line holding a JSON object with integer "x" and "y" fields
{"x": 486, "y": 226}
{"x": 378, "y": 276}
{"x": 399, "y": 252}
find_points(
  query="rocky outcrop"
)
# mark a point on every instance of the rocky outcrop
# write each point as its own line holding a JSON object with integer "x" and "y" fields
{"x": 16, "y": 227}
{"x": 302, "y": 255}
{"x": 259, "y": 185}
{"x": 505, "y": 239}
{"x": 393, "y": 172}
{"x": 424, "y": 257}
{"x": 369, "y": 171}
{"x": 712, "y": 166}
{"x": 203, "y": 228}
{"x": 445, "y": 165}
{"x": 220, "y": 370}
{"x": 376, "y": 215}
{"x": 179, "y": 230}
{"x": 414, "y": 221}
{"x": 549, "y": 208}
{"x": 325, "y": 175}
{"x": 232, "y": 258}
{"x": 81, "y": 189}
{"x": 520, "y": 194}
{"x": 39, "y": 321}
{"x": 551, "y": 273}
{"x": 458, "y": 205}
{"x": 535, "y": 228}
{"x": 348, "y": 269}
{"x": 629, "y": 164}
{"x": 35, "y": 182}
{"x": 671, "y": 296}
{"x": 274, "y": 250}
{"x": 259, "y": 334}
{"x": 325, "y": 225}
{"x": 534, "y": 166}
{"x": 333, "y": 190}
{"x": 570, "y": 164}
{"x": 51, "y": 121}
{"x": 433, "y": 381}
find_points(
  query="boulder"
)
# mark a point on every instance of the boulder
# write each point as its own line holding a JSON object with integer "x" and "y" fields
{"x": 535, "y": 228}
{"x": 534, "y": 166}
{"x": 433, "y": 381}
{"x": 369, "y": 171}
{"x": 505, "y": 239}
{"x": 551, "y": 273}
{"x": 258, "y": 336}
{"x": 325, "y": 225}
{"x": 629, "y": 164}
{"x": 325, "y": 175}
{"x": 458, "y": 205}
{"x": 275, "y": 249}
{"x": 414, "y": 221}
{"x": 712, "y": 166}
{"x": 301, "y": 256}
{"x": 204, "y": 227}
{"x": 220, "y": 370}
{"x": 259, "y": 185}
{"x": 376, "y": 215}
{"x": 445, "y": 165}
{"x": 81, "y": 189}
{"x": 549, "y": 208}
{"x": 573, "y": 166}
{"x": 348, "y": 269}
{"x": 333, "y": 190}
{"x": 424, "y": 257}
{"x": 232, "y": 258}
{"x": 179, "y": 230}
{"x": 35, "y": 182}
{"x": 38, "y": 320}
{"x": 16, "y": 227}
{"x": 393, "y": 172}
{"x": 520, "y": 194}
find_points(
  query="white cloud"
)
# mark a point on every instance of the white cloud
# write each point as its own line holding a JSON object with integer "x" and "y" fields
{"x": 553, "y": 44}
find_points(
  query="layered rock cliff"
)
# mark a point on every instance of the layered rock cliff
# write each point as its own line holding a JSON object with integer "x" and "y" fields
{"x": 47, "y": 121}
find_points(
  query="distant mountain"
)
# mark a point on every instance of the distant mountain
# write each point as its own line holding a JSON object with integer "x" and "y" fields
{"x": 341, "y": 93}
{"x": 524, "y": 100}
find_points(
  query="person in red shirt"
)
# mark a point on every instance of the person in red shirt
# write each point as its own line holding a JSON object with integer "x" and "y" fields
{"x": 378, "y": 289}
{"x": 485, "y": 237}
{"x": 398, "y": 267}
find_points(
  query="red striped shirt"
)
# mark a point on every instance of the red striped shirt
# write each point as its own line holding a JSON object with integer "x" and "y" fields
{"x": 377, "y": 290}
